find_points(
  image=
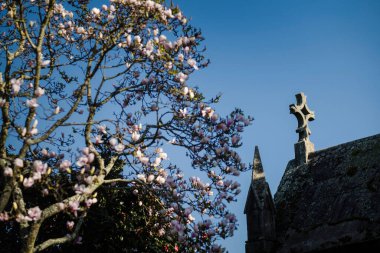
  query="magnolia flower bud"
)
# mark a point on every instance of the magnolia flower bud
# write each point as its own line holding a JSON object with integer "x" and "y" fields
{"x": 32, "y": 103}
{"x": 18, "y": 163}
{"x": 95, "y": 11}
{"x": 8, "y": 172}
{"x": 192, "y": 63}
{"x": 39, "y": 92}
{"x": 135, "y": 136}
{"x": 113, "y": 141}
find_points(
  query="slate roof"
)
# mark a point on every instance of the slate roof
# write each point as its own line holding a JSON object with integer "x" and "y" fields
{"x": 331, "y": 201}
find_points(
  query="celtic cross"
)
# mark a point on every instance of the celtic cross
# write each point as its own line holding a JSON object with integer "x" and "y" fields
{"x": 303, "y": 115}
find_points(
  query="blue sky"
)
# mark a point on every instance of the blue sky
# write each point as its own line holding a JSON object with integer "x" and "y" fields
{"x": 264, "y": 52}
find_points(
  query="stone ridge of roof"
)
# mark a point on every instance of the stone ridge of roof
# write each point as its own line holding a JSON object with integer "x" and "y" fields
{"x": 349, "y": 143}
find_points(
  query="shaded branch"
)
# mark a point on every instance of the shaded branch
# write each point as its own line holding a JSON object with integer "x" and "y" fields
{"x": 61, "y": 240}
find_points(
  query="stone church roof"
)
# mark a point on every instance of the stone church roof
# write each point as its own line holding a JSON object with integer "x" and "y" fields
{"x": 327, "y": 201}
{"x": 332, "y": 200}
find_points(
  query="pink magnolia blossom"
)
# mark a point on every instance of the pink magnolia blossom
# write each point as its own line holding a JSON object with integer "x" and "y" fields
{"x": 86, "y": 151}
{"x": 183, "y": 112}
{"x": 235, "y": 140}
{"x": 220, "y": 183}
{"x": 98, "y": 139}
{"x": 16, "y": 85}
{"x": 81, "y": 30}
{"x": 57, "y": 110}
{"x": 181, "y": 77}
{"x": 144, "y": 160}
{"x": 18, "y": 163}
{"x": 4, "y": 216}
{"x": 44, "y": 152}
{"x": 163, "y": 155}
{"x": 142, "y": 177}
{"x": 35, "y": 123}
{"x": 119, "y": 148}
{"x": 34, "y": 213}
{"x": 137, "y": 39}
{"x": 214, "y": 117}
{"x": 113, "y": 141}
{"x": 181, "y": 57}
{"x": 162, "y": 38}
{"x": 95, "y": 11}
{"x": 70, "y": 225}
{"x": 32, "y": 103}
{"x": 90, "y": 202}
{"x": 28, "y": 182}
{"x": 190, "y": 218}
{"x": 39, "y": 92}
{"x": 82, "y": 161}
{"x": 192, "y": 63}
{"x": 74, "y": 207}
{"x": 207, "y": 112}
{"x": 150, "y": 178}
{"x": 138, "y": 153}
{"x": 16, "y": 89}
{"x": 37, "y": 176}
{"x": 64, "y": 165}
{"x": 45, "y": 192}
{"x": 91, "y": 157}
{"x": 45, "y": 63}
{"x": 33, "y": 131}
{"x": 135, "y": 136}
{"x": 81, "y": 189}
{"x": 157, "y": 162}
{"x": 102, "y": 129}
{"x": 8, "y": 172}
{"x": 185, "y": 90}
{"x": 90, "y": 179}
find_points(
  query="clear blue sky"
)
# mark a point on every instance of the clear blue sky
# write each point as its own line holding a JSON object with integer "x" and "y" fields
{"x": 263, "y": 52}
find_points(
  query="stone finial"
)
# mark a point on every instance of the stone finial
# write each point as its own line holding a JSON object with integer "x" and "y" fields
{"x": 303, "y": 114}
{"x": 258, "y": 171}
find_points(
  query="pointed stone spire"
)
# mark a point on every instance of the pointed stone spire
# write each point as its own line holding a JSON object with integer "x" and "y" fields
{"x": 258, "y": 182}
{"x": 258, "y": 171}
{"x": 260, "y": 211}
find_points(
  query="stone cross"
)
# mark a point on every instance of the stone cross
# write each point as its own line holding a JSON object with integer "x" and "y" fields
{"x": 303, "y": 114}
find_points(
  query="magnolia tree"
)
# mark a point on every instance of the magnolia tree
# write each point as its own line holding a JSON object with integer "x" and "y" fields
{"x": 112, "y": 80}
